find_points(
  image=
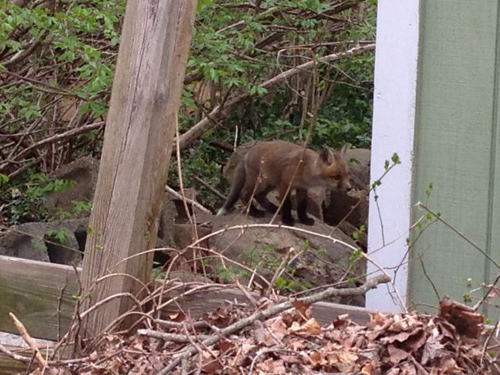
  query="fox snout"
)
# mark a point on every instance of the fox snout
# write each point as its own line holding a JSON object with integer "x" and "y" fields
{"x": 346, "y": 185}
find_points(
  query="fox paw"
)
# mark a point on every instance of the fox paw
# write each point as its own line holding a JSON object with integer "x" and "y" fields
{"x": 257, "y": 213}
{"x": 288, "y": 221}
{"x": 306, "y": 221}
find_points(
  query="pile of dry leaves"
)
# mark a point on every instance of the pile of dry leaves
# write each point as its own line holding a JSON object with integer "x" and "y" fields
{"x": 454, "y": 342}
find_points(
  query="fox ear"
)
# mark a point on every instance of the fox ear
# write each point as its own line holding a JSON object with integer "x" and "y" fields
{"x": 342, "y": 151}
{"x": 327, "y": 155}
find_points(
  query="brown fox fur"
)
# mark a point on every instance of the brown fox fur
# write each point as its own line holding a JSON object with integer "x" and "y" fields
{"x": 283, "y": 166}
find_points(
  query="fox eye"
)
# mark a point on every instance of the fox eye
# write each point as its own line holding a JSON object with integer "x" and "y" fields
{"x": 337, "y": 177}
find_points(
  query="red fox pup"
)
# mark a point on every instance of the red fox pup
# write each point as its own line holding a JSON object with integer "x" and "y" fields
{"x": 276, "y": 165}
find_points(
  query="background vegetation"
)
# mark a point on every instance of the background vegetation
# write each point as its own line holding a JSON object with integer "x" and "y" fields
{"x": 57, "y": 62}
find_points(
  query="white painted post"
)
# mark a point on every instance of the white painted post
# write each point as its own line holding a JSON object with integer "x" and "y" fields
{"x": 396, "y": 62}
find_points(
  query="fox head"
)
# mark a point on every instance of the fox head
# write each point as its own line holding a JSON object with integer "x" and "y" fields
{"x": 334, "y": 169}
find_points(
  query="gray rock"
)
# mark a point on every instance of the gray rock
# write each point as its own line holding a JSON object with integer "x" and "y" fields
{"x": 168, "y": 215}
{"x": 359, "y": 166}
{"x": 338, "y": 203}
{"x": 69, "y": 252}
{"x": 25, "y": 241}
{"x": 38, "y": 241}
{"x": 84, "y": 173}
{"x": 324, "y": 262}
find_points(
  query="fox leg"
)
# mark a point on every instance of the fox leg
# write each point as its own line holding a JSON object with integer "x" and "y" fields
{"x": 264, "y": 202}
{"x": 301, "y": 195}
{"x": 255, "y": 212}
{"x": 246, "y": 198}
{"x": 239, "y": 181}
{"x": 286, "y": 208}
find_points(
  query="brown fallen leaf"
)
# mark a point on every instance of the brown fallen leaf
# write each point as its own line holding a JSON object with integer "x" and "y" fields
{"x": 278, "y": 328}
{"x": 303, "y": 308}
{"x": 433, "y": 348}
{"x": 177, "y": 317}
{"x": 397, "y": 355}
{"x": 272, "y": 366}
{"x": 340, "y": 320}
{"x": 316, "y": 358}
{"x": 446, "y": 365}
{"x": 464, "y": 318}
{"x": 311, "y": 327}
{"x": 371, "y": 368}
{"x": 401, "y": 337}
{"x": 296, "y": 344}
{"x": 225, "y": 345}
{"x": 210, "y": 364}
{"x": 344, "y": 361}
{"x": 408, "y": 369}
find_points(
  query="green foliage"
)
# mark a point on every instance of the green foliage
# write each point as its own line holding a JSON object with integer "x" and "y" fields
{"x": 26, "y": 201}
{"x": 38, "y": 244}
{"x": 232, "y": 271}
{"x": 4, "y": 179}
{"x": 157, "y": 272}
{"x": 290, "y": 285}
{"x": 228, "y": 52}
{"x": 358, "y": 232}
{"x": 81, "y": 206}
{"x": 78, "y": 38}
{"x": 355, "y": 256}
{"x": 467, "y": 298}
{"x": 236, "y": 47}
{"x": 59, "y": 235}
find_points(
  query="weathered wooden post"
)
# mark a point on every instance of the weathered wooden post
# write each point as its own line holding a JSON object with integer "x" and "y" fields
{"x": 136, "y": 152}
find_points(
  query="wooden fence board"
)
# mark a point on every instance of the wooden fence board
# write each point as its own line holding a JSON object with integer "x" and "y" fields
{"x": 323, "y": 312}
{"x": 40, "y": 295}
{"x": 10, "y": 366}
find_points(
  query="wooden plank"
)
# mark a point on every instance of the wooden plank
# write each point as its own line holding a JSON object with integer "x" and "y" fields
{"x": 453, "y": 148}
{"x": 323, "y": 312}
{"x": 137, "y": 145}
{"x": 39, "y": 294}
{"x": 9, "y": 366}
{"x": 32, "y": 290}
{"x": 17, "y": 345}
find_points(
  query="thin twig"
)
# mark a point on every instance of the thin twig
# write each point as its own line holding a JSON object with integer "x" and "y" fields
{"x": 29, "y": 340}
{"x": 171, "y": 191}
{"x": 461, "y": 235}
{"x": 209, "y": 187}
{"x": 167, "y": 336}
{"x": 430, "y": 280}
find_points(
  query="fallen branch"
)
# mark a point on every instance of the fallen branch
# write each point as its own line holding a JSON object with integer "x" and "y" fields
{"x": 264, "y": 314}
{"x": 168, "y": 336}
{"x": 29, "y": 340}
{"x": 177, "y": 195}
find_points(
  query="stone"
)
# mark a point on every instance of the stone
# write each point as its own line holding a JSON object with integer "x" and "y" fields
{"x": 84, "y": 173}
{"x": 323, "y": 261}
{"x": 339, "y": 203}
{"x": 359, "y": 167}
{"x": 25, "y": 241}
{"x": 37, "y": 241}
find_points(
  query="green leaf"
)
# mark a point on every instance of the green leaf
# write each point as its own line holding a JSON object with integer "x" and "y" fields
{"x": 38, "y": 244}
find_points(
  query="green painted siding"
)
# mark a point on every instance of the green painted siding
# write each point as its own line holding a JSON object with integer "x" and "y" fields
{"x": 456, "y": 146}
